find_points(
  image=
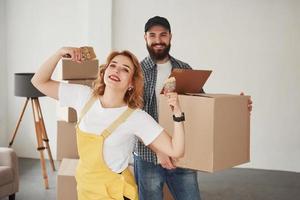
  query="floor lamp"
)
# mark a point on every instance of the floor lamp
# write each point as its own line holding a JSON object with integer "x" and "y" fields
{"x": 24, "y": 88}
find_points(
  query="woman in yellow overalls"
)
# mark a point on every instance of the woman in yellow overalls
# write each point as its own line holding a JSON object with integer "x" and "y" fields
{"x": 94, "y": 179}
{"x": 112, "y": 106}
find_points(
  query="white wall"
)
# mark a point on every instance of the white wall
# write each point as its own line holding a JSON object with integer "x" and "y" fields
{"x": 35, "y": 30}
{"x": 3, "y": 91}
{"x": 251, "y": 46}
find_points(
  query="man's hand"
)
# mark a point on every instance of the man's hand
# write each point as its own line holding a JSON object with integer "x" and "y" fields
{"x": 249, "y": 103}
{"x": 165, "y": 161}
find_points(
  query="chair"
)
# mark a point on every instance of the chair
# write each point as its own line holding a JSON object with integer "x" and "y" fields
{"x": 9, "y": 173}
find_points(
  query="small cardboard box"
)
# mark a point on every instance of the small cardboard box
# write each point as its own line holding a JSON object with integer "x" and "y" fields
{"x": 66, "y": 183}
{"x": 66, "y": 140}
{"x": 217, "y": 130}
{"x": 87, "y": 82}
{"x": 85, "y": 70}
{"x": 69, "y": 114}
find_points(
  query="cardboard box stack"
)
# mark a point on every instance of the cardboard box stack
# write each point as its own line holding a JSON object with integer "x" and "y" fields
{"x": 66, "y": 183}
{"x": 75, "y": 73}
{"x": 217, "y": 128}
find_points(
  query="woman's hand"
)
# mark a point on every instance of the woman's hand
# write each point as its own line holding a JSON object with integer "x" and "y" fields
{"x": 71, "y": 53}
{"x": 174, "y": 103}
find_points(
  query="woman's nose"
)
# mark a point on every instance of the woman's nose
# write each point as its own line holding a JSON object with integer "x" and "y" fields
{"x": 117, "y": 69}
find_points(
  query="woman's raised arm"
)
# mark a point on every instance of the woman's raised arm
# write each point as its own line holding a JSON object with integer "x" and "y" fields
{"x": 42, "y": 78}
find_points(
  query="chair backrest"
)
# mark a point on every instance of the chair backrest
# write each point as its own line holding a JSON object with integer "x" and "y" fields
{"x": 9, "y": 158}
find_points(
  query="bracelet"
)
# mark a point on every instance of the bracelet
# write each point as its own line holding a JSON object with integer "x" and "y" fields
{"x": 179, "y": 119}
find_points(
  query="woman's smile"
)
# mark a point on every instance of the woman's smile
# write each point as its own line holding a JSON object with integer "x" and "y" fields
{"x": 114, "y": 78}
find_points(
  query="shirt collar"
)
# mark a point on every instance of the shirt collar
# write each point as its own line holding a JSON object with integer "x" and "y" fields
{"x": 152, "y": 63}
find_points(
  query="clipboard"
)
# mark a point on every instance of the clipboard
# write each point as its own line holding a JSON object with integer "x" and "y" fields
{"x": 189, "y": 80}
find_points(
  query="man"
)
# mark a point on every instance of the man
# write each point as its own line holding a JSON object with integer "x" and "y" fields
{"x": 153, "y": 170}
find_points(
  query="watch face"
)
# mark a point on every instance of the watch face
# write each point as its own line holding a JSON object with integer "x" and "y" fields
{"x": 179, "y": 119}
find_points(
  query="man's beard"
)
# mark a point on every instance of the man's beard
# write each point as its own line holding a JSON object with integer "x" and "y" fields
{"x": 159, "y": 55}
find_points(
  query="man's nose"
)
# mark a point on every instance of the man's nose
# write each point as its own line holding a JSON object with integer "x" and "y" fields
{"x": 157, "y": 39}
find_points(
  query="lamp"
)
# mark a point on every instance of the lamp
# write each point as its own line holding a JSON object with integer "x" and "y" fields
{"x": 24, "y": 88}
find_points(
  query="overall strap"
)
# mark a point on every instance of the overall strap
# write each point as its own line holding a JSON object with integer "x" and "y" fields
{"x": 86, "y": 108}
{"x": 122, "y": 118}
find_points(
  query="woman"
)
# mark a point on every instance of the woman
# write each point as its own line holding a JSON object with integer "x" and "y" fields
{"x": 110, "y": 118}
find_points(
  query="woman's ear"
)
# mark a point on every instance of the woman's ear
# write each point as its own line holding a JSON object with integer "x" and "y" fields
{"x": 130, "y": 88}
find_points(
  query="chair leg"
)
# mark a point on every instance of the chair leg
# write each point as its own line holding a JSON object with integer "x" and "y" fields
{"x": 12, "y": 197}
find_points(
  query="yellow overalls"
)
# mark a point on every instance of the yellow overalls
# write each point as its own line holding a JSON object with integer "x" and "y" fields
{"x": 95, "y": 181}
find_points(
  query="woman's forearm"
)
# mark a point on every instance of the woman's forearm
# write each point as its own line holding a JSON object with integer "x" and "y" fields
{"x": 178, "y": 138}
{"x": 46, "y": 70}
{"x": 171, "y": 146}
{"x": 42, "y": 78}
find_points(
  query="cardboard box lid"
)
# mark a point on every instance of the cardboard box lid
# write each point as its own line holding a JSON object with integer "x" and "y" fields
{"x": 189, "y": 80}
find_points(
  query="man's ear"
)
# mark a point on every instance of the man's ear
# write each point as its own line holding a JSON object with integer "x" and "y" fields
{"x": 145, "y": 37}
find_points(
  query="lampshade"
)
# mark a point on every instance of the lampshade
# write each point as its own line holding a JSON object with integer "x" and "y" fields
{"x": 24, "y": 87}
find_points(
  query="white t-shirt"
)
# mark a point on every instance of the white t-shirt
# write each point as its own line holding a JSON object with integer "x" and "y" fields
{"x": 163, "y": 73}
{"x": 119, "y": 145}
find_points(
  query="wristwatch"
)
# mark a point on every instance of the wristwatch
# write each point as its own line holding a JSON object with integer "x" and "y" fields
{"x": 179, "y": 119}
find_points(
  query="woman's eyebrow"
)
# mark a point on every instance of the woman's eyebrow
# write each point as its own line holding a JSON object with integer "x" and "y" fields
{"x": 115, "y": 62}
{"x": 127, "y": 66}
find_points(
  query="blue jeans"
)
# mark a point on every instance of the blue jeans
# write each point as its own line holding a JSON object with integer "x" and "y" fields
{"x": 150, "y": 179}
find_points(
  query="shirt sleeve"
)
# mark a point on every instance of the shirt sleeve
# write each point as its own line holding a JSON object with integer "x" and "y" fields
{"x": 73, "y": 95}
{"x": 145, "y": 127}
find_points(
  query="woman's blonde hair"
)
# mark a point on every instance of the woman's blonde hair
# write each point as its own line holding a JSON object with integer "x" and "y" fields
{"x": 133, "y": 97}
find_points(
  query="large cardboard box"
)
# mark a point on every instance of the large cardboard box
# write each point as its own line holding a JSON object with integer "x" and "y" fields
{"x": 66, "y": 183}
{"x": 85, "y": 70}
{"x": 66, "y": 140}
{"x": 69, "y": 114}
{"x": 217, "y": 130}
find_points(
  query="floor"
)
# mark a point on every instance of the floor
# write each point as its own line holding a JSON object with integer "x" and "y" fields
{"x": 233, "y": 184}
